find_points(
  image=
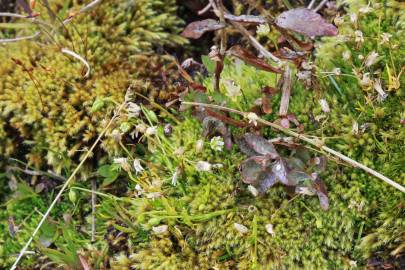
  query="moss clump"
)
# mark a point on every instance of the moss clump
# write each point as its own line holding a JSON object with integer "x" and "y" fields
{"x": 365, "y": 215}
{"x": 46, "y": 104}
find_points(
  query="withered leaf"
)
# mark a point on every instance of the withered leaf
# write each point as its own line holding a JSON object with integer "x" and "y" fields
{"x": 267, "y": 182}
{"x": 251, "y": 59}
{"x": 281, "y": 170}
{"x": 295, "y": 177}
{"x": 306, "y": 22}
{"x": 245, "y": 18}
{"x": 196, "y": 29}
{"x": 259, "y": 145}
{"x": 321, "y": 191}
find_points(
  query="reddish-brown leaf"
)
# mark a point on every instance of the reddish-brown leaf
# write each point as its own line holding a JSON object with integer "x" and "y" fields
{"x": 306, "y": 22}
{"x": 251, "y": 59}
{"x": 196, "y": 29}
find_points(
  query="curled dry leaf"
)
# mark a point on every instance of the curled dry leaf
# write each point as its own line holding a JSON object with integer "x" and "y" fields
{"x": 251, "y": 59}
{"x": 285, "y": 91}
{"x": 306, "y": 22}
{"x": 321, "y": 191}
{"x": 196, "y": 29}
{"x": 245, "y": 18}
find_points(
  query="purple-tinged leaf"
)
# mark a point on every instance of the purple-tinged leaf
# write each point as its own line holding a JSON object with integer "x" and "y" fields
{"x": 296, "y": 163}
{"x": 196, "y": 29}
{"x": 253, "y": 169}
{"x": 281, "y": 170}
{"x": 306, "y": 22}
{"x": 296, "y": 177}
{"x": 284, "y": 122}
{"x": 266, "y": 183}
{"x": 321, "y": 191}
{"x": 260, "y": 145}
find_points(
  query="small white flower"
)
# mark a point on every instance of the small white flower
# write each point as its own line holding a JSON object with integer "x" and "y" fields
{"x": 263, "y": 30}
{"x": 137, "y": 166}
{"x": 346, "y": 55}
{"x": 150, "y": 131}
{"x": 123, "y": 162}
{"x": 377, "y": 87}
{"x": 160, "y": 229}
{"x": 133, "y": 110}
{"x": 338, "y": 20}
{"x": 358, "y": 36}
{"x": 365, "y": 80}
{"x": 232, "y": 89}
{"x": 203, "y": 166}
{"x": 241, "y": 228}
{"x": 337, "y": 71}
{"x": 139, "y": 129}
{"x": 304, "y": 75}
{"x": 199, "y": 146}
{"x": 139, "y": 190}
{"x": 360, "y": 57}
{"x": 153, "y": 195}
{"x": 366, "y": 9}
{"x": 353, "y": 263}
{"x": 355, "y": 128}
{"x": 175, "y": 176}
{"x": 305, "y": 191}
{"x": 253, "y": 191}
{"x": 116, "y": 135}
{"x": 269, "y": 229}
{"x": 217, "y": 166}
{"x": 252, "y": 117}
{"x": 324, "y": 105}
{"x": 179, "y": 151}
{"x": 371, "y": 59}
{"x": 307, "y": 65}
{"x": 385, "y": 38}
{"x": 353, "y": 18}
{"x": 217, "y": 143}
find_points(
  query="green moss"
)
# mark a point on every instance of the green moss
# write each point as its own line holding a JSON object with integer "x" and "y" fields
{"x": 46, "y": 112}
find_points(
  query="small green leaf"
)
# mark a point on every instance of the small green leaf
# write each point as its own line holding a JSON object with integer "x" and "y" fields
{"x": 72, "y": 196}
{"x": 208, "y": 63}
{"x": 125, "y": 127}
{"x": 109, "y": 172}
{"x": 98, "y": 105}
{"x": 150, "y": 115}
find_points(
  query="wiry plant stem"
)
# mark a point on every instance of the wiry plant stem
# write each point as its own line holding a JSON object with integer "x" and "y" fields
{"x": 86, "y": 8}
{"x": 311, "y": 4}
{"x": 320, "y": 5}
{"x": 65, "y": 185}
{"x": 75, "y": 55}
{"x": 317, "y": 143}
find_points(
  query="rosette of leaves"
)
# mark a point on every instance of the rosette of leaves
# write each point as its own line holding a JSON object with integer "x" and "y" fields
{"x": 265, "y": 167}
